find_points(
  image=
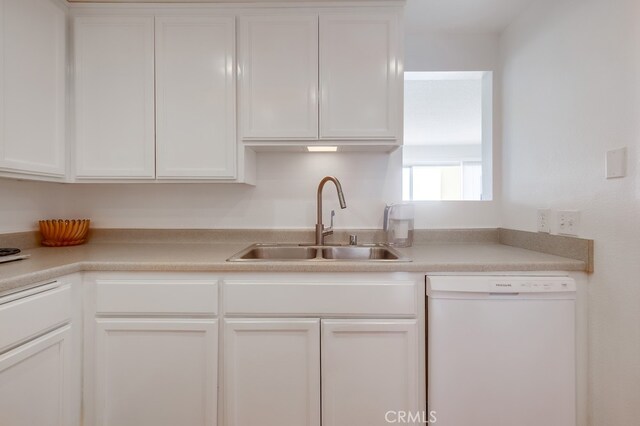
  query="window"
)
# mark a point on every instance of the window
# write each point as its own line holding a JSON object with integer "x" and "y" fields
{"x": 448, "y": 132}
{"x": 446, "y": 181}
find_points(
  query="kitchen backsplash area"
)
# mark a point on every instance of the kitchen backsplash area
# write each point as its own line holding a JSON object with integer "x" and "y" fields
{"x": 284, "y": 197}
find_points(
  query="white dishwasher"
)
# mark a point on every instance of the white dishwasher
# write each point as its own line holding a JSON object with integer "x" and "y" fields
{"x": 501, "y": 350}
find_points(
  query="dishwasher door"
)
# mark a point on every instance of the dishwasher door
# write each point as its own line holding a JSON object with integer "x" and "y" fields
{"x": 501, "y": 350}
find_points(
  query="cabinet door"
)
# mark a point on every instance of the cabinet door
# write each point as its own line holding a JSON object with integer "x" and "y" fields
{"x": 35, "y": 380}
{"x": 195, "y": 97}
{"x": 272, "y": 372}
{"x": 368, "y": 369}
{"x": 156, "y": 372}
{"x": 279, "y": 77}
{"x": 32, "y": 87}
{"x": 360, "y": 76}
{"x": 114, "y": 88}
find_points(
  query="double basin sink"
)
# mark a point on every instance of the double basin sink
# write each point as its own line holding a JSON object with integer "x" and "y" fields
{"x": 302, "y": 252}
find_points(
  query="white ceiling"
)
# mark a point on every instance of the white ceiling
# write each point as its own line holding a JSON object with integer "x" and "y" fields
{"x": 461, "y": 16}
{"x": 454, "y": 16}
{"x": 443, "y": 109}
{"x": 213, "y": 1}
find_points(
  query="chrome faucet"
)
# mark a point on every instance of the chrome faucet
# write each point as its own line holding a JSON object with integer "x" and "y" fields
{"x": 321, "y": 231}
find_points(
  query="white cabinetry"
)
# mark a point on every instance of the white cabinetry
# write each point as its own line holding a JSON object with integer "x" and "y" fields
{"x": 296, "y": 350}
{"x": 153, "y": 89}
{"x": 32, "y": 88}
{"x": 151, "y": 350}
{"x": 34, "y": 385}
{"x": 195, "y": 97}
{"x": 279, "y": 76}
{"x": 114, "y": 97}
{"x": 272, "y": 372}
{"x": 360, "y": 76}
{"x": 369, "y": 354}
{"x": 369, "y": 367}
{"x": 160, "y": 372}
{"x": 39, "y": 357}
{"x": 333, "y": 77}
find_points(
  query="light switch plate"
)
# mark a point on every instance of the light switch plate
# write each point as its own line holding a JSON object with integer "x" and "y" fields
{"x": 568, "y": 222}
{"x": 616, "y": 163}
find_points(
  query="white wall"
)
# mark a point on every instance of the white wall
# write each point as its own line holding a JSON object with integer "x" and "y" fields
{"x": 22, "y": 204}
{"x": 433, "y": 51}
{"x": 572, "y": 92}
{"x": 284, "y": 197}
{"x": 430, "y": 51}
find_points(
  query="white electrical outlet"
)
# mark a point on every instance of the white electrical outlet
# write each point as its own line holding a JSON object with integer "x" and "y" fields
{"x": 544, "y": 220}
{"x": 568, "y": 222}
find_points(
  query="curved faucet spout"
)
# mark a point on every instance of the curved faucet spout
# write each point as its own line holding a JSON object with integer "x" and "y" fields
{"x": 321, "y": 231}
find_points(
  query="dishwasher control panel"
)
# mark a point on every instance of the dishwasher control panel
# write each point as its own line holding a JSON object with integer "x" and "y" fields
{"x": 531, "y": 285}
{"x": 495, "y": 284}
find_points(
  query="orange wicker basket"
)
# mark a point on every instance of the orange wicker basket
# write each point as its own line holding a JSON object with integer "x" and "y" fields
{"x": 61, "y": 232}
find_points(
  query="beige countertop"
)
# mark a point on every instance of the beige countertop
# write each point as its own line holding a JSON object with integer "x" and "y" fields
{"x": 48, "y": 263}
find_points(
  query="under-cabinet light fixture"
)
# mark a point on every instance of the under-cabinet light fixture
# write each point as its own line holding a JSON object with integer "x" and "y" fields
{"x": 322, "y": 148}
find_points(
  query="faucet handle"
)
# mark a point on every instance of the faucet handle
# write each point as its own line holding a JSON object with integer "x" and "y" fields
{"x": 329, "y": 230}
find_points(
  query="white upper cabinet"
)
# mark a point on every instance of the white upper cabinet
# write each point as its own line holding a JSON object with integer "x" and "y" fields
{"x": 114, "y": 97}
{"x": 195, "y": 97}
{"x": 32, "y": 87}
{"x": 152, "y": 90}
{"x": 360, "y": 76}
{"x": 279, "y": 76}
{"x": 332, "y": 76}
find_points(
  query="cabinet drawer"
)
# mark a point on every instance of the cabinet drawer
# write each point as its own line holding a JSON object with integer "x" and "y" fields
{"x": 23, "y": 318}
{"x": 345, "y": 299}
{"x": 156, "y": 297}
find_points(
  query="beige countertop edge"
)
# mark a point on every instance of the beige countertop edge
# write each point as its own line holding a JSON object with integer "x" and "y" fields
{"x": 17, "y": 282}
{"x": 9, "y": 285}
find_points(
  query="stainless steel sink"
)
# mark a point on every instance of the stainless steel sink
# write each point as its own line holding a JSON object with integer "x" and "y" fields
{"x": 275, "y": 252}
{"x": 360, "y": 253}
{"x": 302, "y": 252}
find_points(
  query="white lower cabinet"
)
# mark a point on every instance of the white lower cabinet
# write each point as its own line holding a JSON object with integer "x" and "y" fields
{"x": 35, "y": 382}
{"x": 272, "y": 372}
{"x": 295, "y": 349}
{"x": 369, "y": 368}
{"x": 276, "y": 373}
{"x": 323, "y": 349}
{"x": 151, "y": 349}
{"x": 40, "y": 355}
{"x": 160, "y": 372}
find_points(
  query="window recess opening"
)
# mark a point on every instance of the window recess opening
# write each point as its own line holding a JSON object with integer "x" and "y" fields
{"x": 447, "y": 153}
